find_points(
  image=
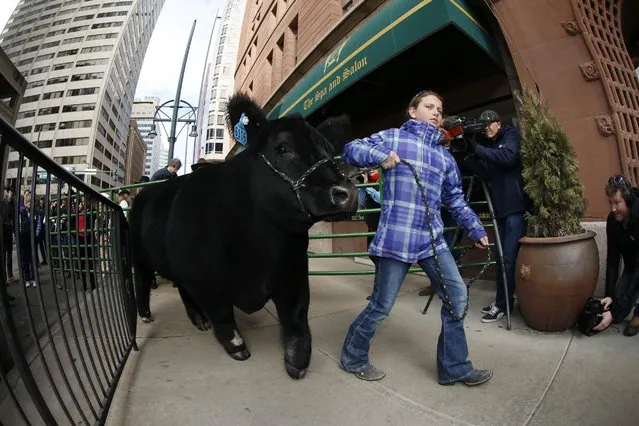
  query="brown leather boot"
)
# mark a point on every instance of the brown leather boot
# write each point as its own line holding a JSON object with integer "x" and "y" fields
{"x": 632, "y": 328}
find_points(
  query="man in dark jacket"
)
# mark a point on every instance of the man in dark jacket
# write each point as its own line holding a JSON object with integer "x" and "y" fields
{"x": 622, "y": 239}
{"x": 499, "y": 165}
{"x": 167, "y": 172}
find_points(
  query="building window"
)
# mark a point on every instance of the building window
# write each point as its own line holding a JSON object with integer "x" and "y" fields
{"x": 74, "y": 124}
{"x": 39, "y": 70}
{"x": 83, "y": 91}
{"x": 53, "y": 95}
{"x": 72, "y": 40}
{"x": 26, "y": 114}
{"x": 62, "y": 66}
{"x": 44, "y": 127}
{"x": 49, "y": 110}
{"x": 93, "y": 49}
{"x": 78, "y": 107}
{"x": 33, "y": 98}
{"x": 71, "y": 142}
{"x": 58, "y": 80}
{"x": 219, "y": 133}
{"x": 68, "y": 52}
{"x": 76, "y": 159}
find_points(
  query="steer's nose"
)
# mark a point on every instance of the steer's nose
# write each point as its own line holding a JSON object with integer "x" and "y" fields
{"x": 339, "y": 196}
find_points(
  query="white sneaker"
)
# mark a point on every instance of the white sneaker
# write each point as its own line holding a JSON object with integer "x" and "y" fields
{"x": 27, "y": 283}
{"x": 33, "y": 283}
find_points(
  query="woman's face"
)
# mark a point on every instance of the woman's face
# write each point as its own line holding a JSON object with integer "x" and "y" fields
{"x": 429, "y": 109}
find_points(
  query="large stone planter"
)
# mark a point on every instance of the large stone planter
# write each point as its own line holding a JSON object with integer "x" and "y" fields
{"x": 554, "y": 278}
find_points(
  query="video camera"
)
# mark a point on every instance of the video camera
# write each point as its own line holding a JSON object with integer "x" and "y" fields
{"x": 460, "y": 128}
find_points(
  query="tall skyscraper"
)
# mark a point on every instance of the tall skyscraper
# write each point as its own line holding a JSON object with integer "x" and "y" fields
{"x": 164, "y": 158}
{"x": 143, "y": 112}
{"x": 222, "y": 83}
{"x": 82, "y": 60}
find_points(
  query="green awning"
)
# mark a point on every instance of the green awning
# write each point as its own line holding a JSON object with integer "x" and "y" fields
{"x": 395, "y": 28}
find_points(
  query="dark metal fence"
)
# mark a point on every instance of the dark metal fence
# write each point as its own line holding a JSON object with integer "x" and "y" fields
{"x": 67, "y": 312}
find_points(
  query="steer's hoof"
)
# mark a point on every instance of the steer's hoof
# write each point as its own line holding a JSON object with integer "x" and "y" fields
{"x": 242, "y": 355}
{"x": 294, "y": 372}
{"x": 147, "y": 318}
{"x": 203, "y": 325}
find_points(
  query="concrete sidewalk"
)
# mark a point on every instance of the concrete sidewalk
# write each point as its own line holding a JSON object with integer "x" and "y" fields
{"x": 182, "y": 376}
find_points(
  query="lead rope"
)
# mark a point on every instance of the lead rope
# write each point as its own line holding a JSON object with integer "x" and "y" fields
{"x": 447, "y": 301}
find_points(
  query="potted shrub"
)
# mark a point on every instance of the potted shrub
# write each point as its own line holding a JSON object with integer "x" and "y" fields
{"x": 558, "y": 261}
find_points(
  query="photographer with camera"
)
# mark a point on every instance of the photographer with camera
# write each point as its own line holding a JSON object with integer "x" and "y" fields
{"x": 499, "y": 165}
{"x": 622, "y": 234}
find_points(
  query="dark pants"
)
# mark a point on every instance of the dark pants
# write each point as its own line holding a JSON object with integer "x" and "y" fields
{"x": 511, "y": 229}
{"x": 87, "y": 264}
{"x": 26, "y": 259}
{"x": 7, "y": 251}
{"x": 626, "y": 294}
{"x": 40, "y": 243}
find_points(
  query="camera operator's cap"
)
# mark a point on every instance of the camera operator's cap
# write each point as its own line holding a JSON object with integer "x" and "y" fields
{"x": 489, "y": 116}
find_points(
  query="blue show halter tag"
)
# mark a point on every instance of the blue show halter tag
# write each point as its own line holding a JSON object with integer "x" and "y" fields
{"x": 239, "y": 132}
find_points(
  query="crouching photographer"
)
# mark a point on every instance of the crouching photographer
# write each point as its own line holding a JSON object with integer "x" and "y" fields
{"x": 622, "y": 233}
{"x": 498, "y": 163}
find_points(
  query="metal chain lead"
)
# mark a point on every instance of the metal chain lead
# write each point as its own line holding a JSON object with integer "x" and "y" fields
{"x": 447, "y": 301}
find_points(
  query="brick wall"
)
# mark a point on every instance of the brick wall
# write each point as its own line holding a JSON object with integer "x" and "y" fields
{"x": 276, "y": 34}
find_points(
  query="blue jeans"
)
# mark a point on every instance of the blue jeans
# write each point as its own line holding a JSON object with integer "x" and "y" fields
{"x": 452, "y": 349}
{"x": 511, "y": 229}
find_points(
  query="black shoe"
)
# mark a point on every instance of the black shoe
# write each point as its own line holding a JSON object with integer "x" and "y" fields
{"x": 476, "y": 378}
{"x": 495, "y": 314}
{"x": 487, "y": 309}
{"x": 632, "y": 328}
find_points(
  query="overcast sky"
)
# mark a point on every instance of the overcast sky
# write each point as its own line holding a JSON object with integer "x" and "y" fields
{"x": 163, "y": 60}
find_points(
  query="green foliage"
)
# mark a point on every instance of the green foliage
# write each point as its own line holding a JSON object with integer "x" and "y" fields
{"x": 550, "y": 171}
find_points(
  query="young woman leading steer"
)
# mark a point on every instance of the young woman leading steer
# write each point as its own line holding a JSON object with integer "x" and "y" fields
{"x": 407, "y": 234}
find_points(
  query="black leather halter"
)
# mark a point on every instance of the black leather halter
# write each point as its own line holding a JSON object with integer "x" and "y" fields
{"x": 298, "y": 184}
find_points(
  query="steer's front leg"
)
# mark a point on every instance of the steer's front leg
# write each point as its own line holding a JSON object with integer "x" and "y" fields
{"x": 292, "y": 301}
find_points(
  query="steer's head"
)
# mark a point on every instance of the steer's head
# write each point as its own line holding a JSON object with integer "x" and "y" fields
{"x": 295, "y": 160}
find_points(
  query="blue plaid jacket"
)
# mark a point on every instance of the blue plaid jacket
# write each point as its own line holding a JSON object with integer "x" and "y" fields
{"x": 403, "y": 232}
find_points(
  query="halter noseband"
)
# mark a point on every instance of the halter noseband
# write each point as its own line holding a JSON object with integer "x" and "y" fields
{"x": 298, "y": 184}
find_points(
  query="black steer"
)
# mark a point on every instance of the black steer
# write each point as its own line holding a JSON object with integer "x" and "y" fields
{"x": 236, "y": 233}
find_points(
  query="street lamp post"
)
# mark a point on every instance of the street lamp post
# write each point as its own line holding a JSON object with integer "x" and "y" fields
{"x": 177, "y": 95}
{"x": 189, "y": 117}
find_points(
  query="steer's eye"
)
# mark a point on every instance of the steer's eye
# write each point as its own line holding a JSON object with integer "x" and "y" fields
{"x": 282, "y": 149}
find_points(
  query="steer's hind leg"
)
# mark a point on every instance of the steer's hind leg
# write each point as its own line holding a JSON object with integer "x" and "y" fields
{"x": 292, "y": 301}
{"x": 196, "y": 316}
{"x": 143, "y": 279}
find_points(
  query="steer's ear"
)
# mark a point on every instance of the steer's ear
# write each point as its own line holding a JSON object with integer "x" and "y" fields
{"x": 246, "y": 120}
{"x": 337, "y": 130}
